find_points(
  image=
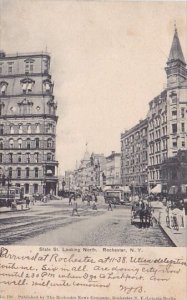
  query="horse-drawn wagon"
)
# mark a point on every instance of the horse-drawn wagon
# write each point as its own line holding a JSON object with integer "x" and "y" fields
{"x": 141, "y": 214}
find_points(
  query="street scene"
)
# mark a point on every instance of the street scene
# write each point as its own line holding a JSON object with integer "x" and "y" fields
{"x": 93, "y": 126}
{"x": 52, "y": 223}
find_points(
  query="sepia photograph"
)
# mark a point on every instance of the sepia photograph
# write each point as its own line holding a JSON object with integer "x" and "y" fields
{"x": 93, "y": 123}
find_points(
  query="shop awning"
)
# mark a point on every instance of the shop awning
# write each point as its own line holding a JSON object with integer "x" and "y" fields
{"x": 157, "y": 189}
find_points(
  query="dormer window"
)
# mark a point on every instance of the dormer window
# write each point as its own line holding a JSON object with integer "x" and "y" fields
{"x": 3, "y": 87}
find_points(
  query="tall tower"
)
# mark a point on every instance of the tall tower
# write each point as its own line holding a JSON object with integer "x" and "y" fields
{"x": 28, "y": 122}
{"x": 176, "y": 65}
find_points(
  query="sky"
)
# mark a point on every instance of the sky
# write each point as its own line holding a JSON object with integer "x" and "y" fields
{"x": 107, "y": 62}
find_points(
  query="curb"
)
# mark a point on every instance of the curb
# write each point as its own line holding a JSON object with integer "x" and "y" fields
{"x": 166, "y": 233}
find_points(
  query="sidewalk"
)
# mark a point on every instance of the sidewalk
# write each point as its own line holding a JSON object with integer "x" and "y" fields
{"x": 178, "y": 237}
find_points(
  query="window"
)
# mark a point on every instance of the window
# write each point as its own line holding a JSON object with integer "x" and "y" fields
{"x": 35, "y": 188}
{"x": 10, "y": 157}
{"x": 29, "y": 66}
{"x": 10, "y": 68}
{"x": 36, "y": 172}
{"x": 183, "y": 143}
{"x": 36, "y": 157}
{"x": 28, "y": 128}
{"x": 27, "y": 85}
{"x": 47, "y": 86}
{"x": 1, "y": 157}
{"x": 174, "y": 128}
{"x": 20, "y": 143}
{"x": 182, "y": 127}
{"x": 26, "y": 188}
{"x": 28, "y": 143}
{"x": 11, "y": 129}
{"x": 37, "y": 143}
{"x": 182, "y": 112}
{"x": 37, "y": 128}
{"x": 10, "y": 172}
{"x": 19, "y": 157}
{"x": 20, "y": 129}
{"x": 174, "y": 114}
{"x": 49, "y": 143}
{"x": 27, "y": 172}
{"x": 1, "y": 129}
{"x": 1, "y": 69}
{"x": 18, "y": 172}
{"x": 49, "y": 128}
{"x": 174, "y": 143}
{"x": 1, "y": 108}
{"x": 49, "y": 156}
{"x": 28, "y": 157}
{"x": 11, "y": 143}
{"x": 3, "y": 87}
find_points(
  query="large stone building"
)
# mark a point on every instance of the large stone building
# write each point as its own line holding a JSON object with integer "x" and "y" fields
{"x": 167, "y": 116}
{"x": 28, "y": 122}
{"x": 134, "y": 157}
{"x": 165, "y": 126}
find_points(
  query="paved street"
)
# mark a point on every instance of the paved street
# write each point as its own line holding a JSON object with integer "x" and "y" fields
{"x": 52, "y": 224}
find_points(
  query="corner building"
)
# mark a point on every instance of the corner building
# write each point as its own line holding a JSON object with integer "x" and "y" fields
{"x": 167, "y": 116}
{"x": 28, "y": 122}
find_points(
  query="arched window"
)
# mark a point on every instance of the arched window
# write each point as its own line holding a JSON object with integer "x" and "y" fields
{"x": 20, "y": 129}
{"x": 19, "y": 157}
{"x": 20, "y": 143}
{"x": 36, "y": 172}
{"x": 36, "y": 157}
{"x": 28, "y": 128}
{"x": 28, "y": 157}
{"x": 10, "y": 157}
{"x": 28, "y": 143}
{"x": 10, "y": 172}
{"x": 49, "y": 143}
{"x": 37, "y": 128}
{"x": 37, "y": 143}
{"x": 11, "y": 129}
{"x": 11, "y": 143}
{"x": 19, "y": 172}
{"x": 27, "y": 172}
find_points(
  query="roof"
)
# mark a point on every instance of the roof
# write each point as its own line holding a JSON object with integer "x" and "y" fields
{"x": 176, "y": 50}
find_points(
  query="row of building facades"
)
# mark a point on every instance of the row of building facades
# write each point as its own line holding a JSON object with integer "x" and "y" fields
{"x": 28, "y": 131}
{"x": 95, "y": 170}
{"x": 154, "y": 151}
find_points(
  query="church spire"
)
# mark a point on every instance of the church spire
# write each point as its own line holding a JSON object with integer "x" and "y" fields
{"x": 176, "y": 50}
{"x": 176, "y": 66}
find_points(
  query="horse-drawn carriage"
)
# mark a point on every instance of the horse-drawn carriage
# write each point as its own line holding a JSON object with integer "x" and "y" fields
{"x": 141, "y": 214}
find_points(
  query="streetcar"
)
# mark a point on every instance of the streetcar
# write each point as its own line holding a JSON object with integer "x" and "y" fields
{"x": 116, "y": 196}
{"x": 10, "y": 195}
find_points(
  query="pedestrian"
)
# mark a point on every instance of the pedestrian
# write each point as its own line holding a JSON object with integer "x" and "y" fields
{"x": 27, "y": 202}
{"x": 109, "y": 205}
{"x": 75, "y": 208}
{"x": 70, "y": 199}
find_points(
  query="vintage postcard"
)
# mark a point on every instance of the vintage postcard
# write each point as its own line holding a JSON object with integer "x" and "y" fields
{"x": 93, "y": 150}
